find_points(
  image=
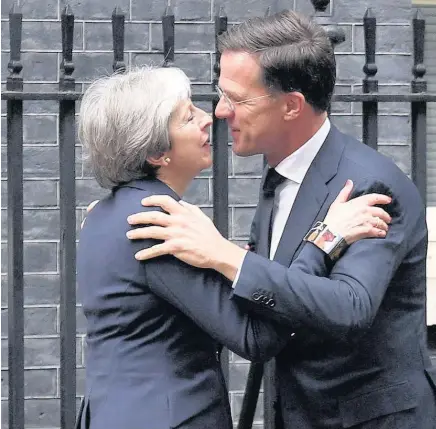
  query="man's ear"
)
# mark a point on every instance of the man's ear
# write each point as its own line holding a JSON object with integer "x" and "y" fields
{"x": 294, "y": 105}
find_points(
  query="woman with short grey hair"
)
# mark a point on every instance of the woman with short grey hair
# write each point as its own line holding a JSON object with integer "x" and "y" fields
{"x": 120, "y": 129}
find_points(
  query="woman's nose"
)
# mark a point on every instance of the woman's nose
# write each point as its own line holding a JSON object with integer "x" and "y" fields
{"x": 205, "y": 121}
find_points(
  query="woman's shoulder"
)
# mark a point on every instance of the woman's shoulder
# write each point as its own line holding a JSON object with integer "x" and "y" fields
{"x": 149, "y": 186}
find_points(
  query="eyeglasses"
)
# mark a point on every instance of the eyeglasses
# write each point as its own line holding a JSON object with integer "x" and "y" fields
{"x": 231, "y": 104}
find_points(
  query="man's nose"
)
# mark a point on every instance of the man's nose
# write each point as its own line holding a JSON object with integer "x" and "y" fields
{"x": 222, "y": 109}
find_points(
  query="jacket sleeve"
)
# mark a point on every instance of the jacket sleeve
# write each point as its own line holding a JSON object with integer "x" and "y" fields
{"x": 342, "y": 302}
{"x": 253, "y": 239}
{"x": 204, "y": 296}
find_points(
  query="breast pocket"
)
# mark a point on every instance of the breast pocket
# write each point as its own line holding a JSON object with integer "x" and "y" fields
{"x": 381, "y": 402}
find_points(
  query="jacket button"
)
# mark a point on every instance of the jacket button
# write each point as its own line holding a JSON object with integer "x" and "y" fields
{"x": 256, "y": 296}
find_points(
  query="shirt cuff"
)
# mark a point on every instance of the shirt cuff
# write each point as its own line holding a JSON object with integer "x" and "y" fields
{"x": 239, "y": 272}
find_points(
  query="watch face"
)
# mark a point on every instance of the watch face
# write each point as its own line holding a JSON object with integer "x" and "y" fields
{"x": 328, "y": 236}
{"x": 314, "y": 231}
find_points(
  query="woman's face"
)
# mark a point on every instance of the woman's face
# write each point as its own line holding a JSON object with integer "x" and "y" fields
{"x": 190, "y": 150}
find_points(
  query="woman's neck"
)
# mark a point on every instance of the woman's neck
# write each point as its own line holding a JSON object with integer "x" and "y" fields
{"x": 177, "y": 183}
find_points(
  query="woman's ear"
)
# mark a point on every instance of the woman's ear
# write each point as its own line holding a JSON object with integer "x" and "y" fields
{"x": 159, "y": 161}
{"x": 294, "y": 105}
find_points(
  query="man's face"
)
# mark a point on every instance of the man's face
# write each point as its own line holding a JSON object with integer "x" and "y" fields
{"x": 255, "y": 124}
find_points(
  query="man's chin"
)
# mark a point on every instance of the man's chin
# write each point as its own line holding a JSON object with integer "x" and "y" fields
{"x": 243, "y": 152}
{"x": 239, "y": 149}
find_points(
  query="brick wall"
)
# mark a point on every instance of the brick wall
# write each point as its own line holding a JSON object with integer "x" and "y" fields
{"x": 194, "y": 48}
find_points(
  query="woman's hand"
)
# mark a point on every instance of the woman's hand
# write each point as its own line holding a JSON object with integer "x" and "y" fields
{"x": 358, "y": 218}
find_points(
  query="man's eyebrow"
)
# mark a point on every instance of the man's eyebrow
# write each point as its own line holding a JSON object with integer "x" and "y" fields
{"x": 232, "y": 94}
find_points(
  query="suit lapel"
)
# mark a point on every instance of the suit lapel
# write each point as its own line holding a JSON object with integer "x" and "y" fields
{"x": 264, "y": 208}
{"x": 311, "y": 197}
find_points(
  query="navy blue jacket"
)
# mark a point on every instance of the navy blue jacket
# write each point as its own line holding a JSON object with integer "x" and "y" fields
{"x": 153, "y": 328}
{"x": 358, "y": 358}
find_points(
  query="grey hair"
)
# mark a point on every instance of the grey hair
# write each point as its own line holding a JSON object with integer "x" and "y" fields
{"x": 124, "y": 120}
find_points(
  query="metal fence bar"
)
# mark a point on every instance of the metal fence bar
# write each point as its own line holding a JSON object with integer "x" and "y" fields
{"x": 220, "y": 167}
{"x": 370, "y": 83}
{"x": 15, "y": 227}
{"x": 426, "y": 97}
{"x": 168, "y": 34}
{"x": 118, "y": 18}
{"x": 251, "y": 396}
{"x": 269, "y": 394}
{"x": 419, "y": 109}
{"x": 67, "y": 205}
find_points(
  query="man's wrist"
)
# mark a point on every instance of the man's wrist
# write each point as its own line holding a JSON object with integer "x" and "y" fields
{"x": 228, "y": 258}
{"x": 331, "y": 243}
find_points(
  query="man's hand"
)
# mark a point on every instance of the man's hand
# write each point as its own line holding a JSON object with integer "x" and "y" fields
{"x": 358, "y": 218}
{"x": 188, "y": 234}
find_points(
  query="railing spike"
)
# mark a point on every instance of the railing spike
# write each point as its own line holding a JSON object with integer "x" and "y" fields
{"x": 220, "y": 27}
{"x": 419, "y": 109}
{"x": 15, "y": 37}
{"x": 222, "y": 12}
{"x": 168, "y": 11}
{"x": 370, "y": 28}
{"x": 369, "y": 13}
{"x": 418, "y": 14}
{"x": 118, "y": 19}
{"x": 117, "y": 11}
{"x": 370, "y": 82}
{"x": 419, "y": 68}
{"x": 168, "y": 36}
{"x": 15, "y": 8}
{"x": 67, "y": 66}
{"x": 67, "y": 10}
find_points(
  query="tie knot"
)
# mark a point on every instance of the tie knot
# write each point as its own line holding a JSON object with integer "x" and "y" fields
{"x": 272, "y": 180}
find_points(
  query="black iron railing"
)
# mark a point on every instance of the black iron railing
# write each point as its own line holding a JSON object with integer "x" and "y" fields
{"x": 67, "y": 97}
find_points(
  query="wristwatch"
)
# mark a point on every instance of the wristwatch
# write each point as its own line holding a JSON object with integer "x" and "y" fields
{"x": 333, "y": 245}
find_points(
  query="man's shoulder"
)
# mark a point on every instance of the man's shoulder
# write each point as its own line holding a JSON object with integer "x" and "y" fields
{"x": 369, "y": 162}
{"x": 374, "y": 171}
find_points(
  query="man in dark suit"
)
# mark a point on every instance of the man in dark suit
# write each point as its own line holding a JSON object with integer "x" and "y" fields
{"x": 357, "y": 356}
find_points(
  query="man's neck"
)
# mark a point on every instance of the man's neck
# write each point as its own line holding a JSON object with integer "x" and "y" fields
{"x": 301, "y": 133}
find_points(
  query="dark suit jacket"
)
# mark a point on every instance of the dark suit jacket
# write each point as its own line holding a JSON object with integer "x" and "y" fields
{"x": 359, "y": 357}
{"x": 153, "y": 328}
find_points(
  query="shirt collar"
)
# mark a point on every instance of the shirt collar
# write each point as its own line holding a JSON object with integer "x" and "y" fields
{"x": 295, "y": 166}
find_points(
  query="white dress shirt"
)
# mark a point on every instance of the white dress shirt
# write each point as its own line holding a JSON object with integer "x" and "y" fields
{"x": 293, "y": 168}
